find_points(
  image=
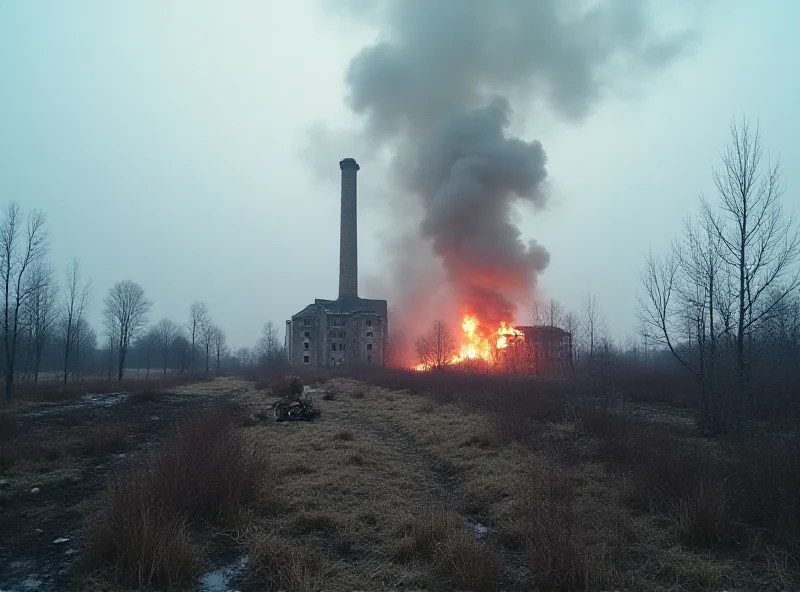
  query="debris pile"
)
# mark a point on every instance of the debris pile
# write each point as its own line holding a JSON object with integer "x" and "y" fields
{"x": 300, "y": 409}
{"x": 294, "y": 405}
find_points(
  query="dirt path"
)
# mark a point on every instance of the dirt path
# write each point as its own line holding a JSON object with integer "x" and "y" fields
{"x": 43, "y": 495}
{"x": 350, "y": 485}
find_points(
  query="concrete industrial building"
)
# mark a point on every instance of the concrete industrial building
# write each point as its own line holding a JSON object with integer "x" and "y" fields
{"x": 547, "y": 348}
{"x": 349, "y": 330}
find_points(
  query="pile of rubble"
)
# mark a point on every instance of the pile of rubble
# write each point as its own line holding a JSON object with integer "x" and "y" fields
{"x": 294, "y": 405}
{"x": 300, "y": 409}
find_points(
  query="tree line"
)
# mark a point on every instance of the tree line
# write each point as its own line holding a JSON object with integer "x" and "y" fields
{"x": 45, "y": 332}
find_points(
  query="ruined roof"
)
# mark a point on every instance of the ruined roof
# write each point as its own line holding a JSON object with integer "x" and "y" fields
{"x": 348, "y": 305}
{"x": 543, "y": 329}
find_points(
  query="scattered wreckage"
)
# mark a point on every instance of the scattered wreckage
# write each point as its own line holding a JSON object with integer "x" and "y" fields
{"x": 294, "y": 404}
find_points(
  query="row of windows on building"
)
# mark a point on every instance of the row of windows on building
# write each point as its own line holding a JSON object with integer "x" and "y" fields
{"x": 336, "y": 322}
{"x": 335, "y": 334}
{"x": 334, "y": 348}
{"x": 334, "y": 361}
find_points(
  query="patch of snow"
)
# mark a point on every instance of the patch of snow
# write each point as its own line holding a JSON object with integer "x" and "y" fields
{"x": 60, "y": 541}
{"x": 218, "y": 580}
{"x": 481, "y": 530}
{"x": 35, "y": 490}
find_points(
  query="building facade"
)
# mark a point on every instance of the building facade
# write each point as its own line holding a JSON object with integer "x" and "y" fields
{"x": 349, "y": 330}
{"x": 547, "y": 348}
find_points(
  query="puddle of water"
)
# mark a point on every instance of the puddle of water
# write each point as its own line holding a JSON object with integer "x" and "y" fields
{"x": 86, "y": 402}
{"x": 218, "y": 580}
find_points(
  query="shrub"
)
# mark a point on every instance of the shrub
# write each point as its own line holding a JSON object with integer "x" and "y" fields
{"x": 144, "y": 545}
{"x": 205, "y": 470}
{"x": 288, "y": 387}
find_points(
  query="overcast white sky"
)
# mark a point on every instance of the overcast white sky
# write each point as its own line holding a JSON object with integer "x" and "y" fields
{"x": 167, "y": 143}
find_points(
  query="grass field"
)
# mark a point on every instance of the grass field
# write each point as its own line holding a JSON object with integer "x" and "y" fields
{"x": 392, "y": 490}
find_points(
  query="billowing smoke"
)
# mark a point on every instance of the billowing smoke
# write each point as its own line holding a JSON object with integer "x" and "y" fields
{"x": 436, "y": 90}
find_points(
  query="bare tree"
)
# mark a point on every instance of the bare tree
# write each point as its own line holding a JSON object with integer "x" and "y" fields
{"x": 760, "y": 244}
{"x": 23, "y": 243}
{"x": 218, "y": 345}
{"x": 164, "y": 333}
{"x": 40, "y": 311}
{"x": 554, "y": 313}
{"x": 437, "y": 347}
{"x": 126, "y": 311}
{"x": 198, "y": 317}
{"x": 268, "y": 347}
{"x": 572, "y": 326}
{"x": 76, "y": 295}
{"x": 148, "y": 343}
{"x": 206, "y": 339}
{"x": 592, "y": 323}
{"x": 180, "y": 345}
{"x": 85, "y": 341}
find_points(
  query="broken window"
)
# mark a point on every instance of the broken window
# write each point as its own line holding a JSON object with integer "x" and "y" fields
{"x": 305, "y": 345}
{"x": 305, "y": 359}
{"x": 307, "y": 334}
{"x": 333, "y": 347}
{"x": 307, "y": 322}
{"x": 341, "y": 347}
{"x": 369, "y": 333}
{"x": 369, "y": 347}
{"x": 369, "y": 358}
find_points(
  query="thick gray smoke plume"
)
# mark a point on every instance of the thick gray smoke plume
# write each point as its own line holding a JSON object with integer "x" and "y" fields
{"x": 437, "y": 90}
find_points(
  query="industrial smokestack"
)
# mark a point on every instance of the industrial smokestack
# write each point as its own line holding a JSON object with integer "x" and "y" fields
{"x": 348, "y": 231}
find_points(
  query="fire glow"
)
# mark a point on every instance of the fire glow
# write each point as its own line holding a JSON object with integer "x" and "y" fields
{"x": 478, "y": 344}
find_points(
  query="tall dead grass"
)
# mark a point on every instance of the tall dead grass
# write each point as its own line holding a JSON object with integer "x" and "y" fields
{"x": 738, "y": 497}
{"x": 202, "y": 473}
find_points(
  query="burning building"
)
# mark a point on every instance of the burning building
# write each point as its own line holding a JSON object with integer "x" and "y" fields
{"x": 350, "y": 329}
{"x": 547, "y": 348}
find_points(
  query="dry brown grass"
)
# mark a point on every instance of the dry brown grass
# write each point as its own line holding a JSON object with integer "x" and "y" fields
{"x": 276, "y": 564}
{"x": 202, "y": 473}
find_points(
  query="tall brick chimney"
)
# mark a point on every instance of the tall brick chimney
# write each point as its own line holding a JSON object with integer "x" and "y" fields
{"x": 348, "y": 231}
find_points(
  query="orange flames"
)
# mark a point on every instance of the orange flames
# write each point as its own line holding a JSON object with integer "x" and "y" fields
{"x": 480, "y": 344}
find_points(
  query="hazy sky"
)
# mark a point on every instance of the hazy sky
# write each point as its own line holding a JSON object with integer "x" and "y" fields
{"x": 193, "y": 146}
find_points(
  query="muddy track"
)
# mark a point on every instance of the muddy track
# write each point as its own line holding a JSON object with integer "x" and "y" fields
{"x": 30, "y": 523}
